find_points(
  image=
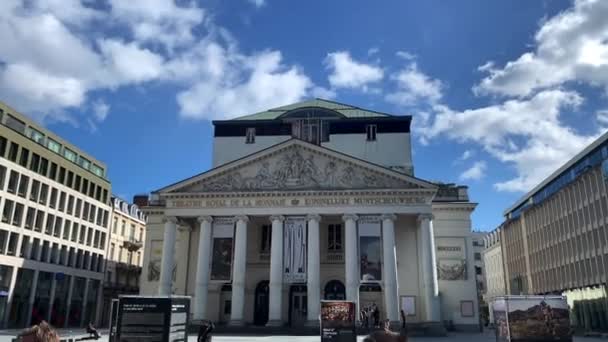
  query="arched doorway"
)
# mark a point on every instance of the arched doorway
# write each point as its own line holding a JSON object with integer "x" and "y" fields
{"x": 334, "y": 290}
{"x": 260, "y": 308}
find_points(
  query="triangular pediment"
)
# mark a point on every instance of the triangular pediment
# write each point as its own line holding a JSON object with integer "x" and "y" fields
{"x": 297, "y": 165}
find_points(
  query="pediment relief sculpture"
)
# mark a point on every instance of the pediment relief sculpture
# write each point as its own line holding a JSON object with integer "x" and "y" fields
{"x": 299, "y": 169}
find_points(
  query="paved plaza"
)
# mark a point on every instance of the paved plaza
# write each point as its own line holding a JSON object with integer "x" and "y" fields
{"x": 5, "y": 336}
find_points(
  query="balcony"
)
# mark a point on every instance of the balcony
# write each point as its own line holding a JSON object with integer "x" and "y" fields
{"x": 132, "y": 244}
{"x": 334, "y": 257}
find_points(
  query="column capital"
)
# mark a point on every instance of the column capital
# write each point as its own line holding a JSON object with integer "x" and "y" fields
{"x": 279, "y": 218}
{"x": 172, "y": 219}
{"x": 390, "y": 217}
{"x": 348, "y": 217}
{"x": 425, "y": 216}
{"x": 207, "y": 219}
{"x": 243, "y": 218}
{"x": 313, "y": 217}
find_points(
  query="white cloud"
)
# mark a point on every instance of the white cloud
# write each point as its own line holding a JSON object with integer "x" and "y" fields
{"x": 345, "y": 72}
{"x": 405, "y": 55}
{"x": 476, "y": 172}
{"x": 466, "y": 155}
{"x": 258, "y": 3}
{"x": 413, "y": 86}
{"x": 323, "y": 93}
{"x": 602, "y": 117}
{"x": 100, "y": 110}
{"x": 528, "y": 134}
{"x": 373, "y": 51}
{"x": 571, "y": 46}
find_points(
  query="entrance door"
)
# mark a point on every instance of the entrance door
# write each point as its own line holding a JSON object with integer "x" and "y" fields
{"x": 334, "y": 290}
{"x": 260, "y": 316}
{"x": 299, "y": 304}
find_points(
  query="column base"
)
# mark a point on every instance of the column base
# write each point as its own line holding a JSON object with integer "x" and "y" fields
{"x": 275, "y": 323}
{"x": 236, "y": 322}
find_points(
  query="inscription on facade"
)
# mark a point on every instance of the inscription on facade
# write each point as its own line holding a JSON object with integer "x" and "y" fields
{"x": 295, "y": 202}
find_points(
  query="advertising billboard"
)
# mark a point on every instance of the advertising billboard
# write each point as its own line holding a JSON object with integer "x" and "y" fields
{"x": 338, "y": 319}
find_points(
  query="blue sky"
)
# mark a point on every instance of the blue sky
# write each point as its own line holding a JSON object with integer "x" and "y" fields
{"x": 502, "y": 93}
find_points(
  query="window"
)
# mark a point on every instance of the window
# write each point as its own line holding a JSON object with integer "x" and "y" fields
{"x": 313, "y": 130}
{"x": 96, "y": 239}
{"x": 250, "y": 135}
{"x": 44, "y": 165}
{"x": 78, "y": 207}
{"x": 35, "y": 249}
{"x": 15, "y": 124}
{"x": 85, "y": 185}
{"x": 34, "y": 190}
{"x": 98, "y": 193}
{"x": 53, "y": 145}
{"x": 44, "y": 191}
{"x": 77, "y": 183}
{"x": 97, "y": 170}
{"x": 70, "y": 204}
{"x": 69, "y": 154}
{"x": 24, "y": 244}
{"x": 105, "y": 218}
{"x": 477, "y": 256}
{"x": 122, "y": 230}
{"x": 85, "y": 211}
{"x": 70, "y": 179}
{"x": 478, "y": 270}
{"x": 50, "y": 220}
{"x": 29, "y": 218}
{"x": 115, "y": 225}
{"x": 92, "y": 213}
{"x": 105, "y": 196}
{"x": 3, "y": 237}
{"x": 66, "y": 230}
{"x": 102, "y": 242}
{"x": 3, "y": 144}
{"x": 57, "y": 227}
{"x": 53, "y": 200}
{"x": 39, "y": 220}
{"x": 37, "y": 136}
{"x": 85, "y": 163}
{"x": 92, "y": 190}
{"x": 45, "y": 251}
{"x": 12, "y": 152}
{"x": 120, "y": 249}
{"x": 18, "y": 215}
{"x": 12, "y": 182}
{"x": 370, "y": 131}
{"x": 54, "y": 254}
{"x": 74, "y": 235}
{"x": 35, "y": 162}
{"x": 334, "y": 238}
{"x": 25, "y": 154}
{"x": 12, "y": 244}
{"x": 7, "y": 212}
{"x": 112, "y": 247}
{"x": 89, "y": 236}
{"x": 25, "y": 181}
{"x": 2, "y": 176}
{"x": 53, "y": 171}
{"x": 61, "y": 175}
{"x": 83, "y": 231}
{"x": 63, "y": 255}
{"x": 62, "y": 201}
{"x": 71, "y": 257}
{"x": 266, "y": 239}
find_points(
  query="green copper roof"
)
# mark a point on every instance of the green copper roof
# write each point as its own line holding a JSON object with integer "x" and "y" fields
{"x": 344, "y": 109}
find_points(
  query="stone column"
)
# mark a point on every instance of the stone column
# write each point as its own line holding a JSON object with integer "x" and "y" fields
{"x": 202, "y": 268}
{"x": 313, "y": 287}
{"x": 84, "y": 302}
{"x": 238, "y": 271}
{"x": 429, "y": 268}
{"x": 391, "y": 285}
{"x": 276, "y": 272}
{"x": 350, "y": 255}
{"x": 168, "y": 257}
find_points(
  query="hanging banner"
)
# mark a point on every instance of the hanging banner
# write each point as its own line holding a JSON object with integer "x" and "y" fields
{"x": 370, "y": 249}
{"x": 294, "y": 250}
{"x": 338, "y": 321}
{"x": 221, "y": 253}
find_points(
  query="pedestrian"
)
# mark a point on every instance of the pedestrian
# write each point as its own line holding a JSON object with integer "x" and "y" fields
{"x": 376, "y": 317}
{"x": 92, "y": 331}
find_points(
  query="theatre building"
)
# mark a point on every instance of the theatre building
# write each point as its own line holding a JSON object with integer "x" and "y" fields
{"x": 311, "y": 201}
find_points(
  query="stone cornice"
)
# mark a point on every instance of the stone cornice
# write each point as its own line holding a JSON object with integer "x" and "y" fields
{"x": 455, "y": 206}
{"x": 311, "y": 193}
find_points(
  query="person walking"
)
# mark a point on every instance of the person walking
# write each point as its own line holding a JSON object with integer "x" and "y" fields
{"x": 376, "y": 317}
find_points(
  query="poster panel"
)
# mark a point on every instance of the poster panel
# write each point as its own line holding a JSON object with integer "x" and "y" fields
{"x": 500, "y": 317}
{"x": 451, "y": 258}
{"x": 408, "y": 305}
{"x": 370, "y": 250}
{"x": 294, "y": 250}
{"x": 222, "y": 248}
{"x": 338, "y": 321}
{"x": 538, "y": 318}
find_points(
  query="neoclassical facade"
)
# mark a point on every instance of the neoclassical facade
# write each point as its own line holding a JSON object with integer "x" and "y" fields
{"x": 265, "y": 235}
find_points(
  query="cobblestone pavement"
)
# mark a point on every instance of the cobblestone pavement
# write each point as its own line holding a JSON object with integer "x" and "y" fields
{"x": 5, "y": 336}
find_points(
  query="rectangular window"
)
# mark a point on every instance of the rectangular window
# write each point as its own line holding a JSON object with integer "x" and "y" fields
{"x": 370, "y": 131}
{"x": 77, "y": 183}
{"x": 477, "y": 256}
{"x": 13, "y": 179}
{"x": 123, "y": 229}
{"x": 39, "y": 220}
{"x": 92, "y": 190}
{"x": 53, "y": 199}
{"x": 35, "y": 249}
{"x": 98, "y": 193}
{"x": 105, "y": 196}
{"x": 44, "y": 257}
{"x": 29, "y": 218}
{"x": 44, "y": 165}
{"x": 7, "y": 211}
{"x": 85, "y": 185}
{"x": 70, "y": 179}
{"x": 63, "y": 255}
{"x": 89, "y": 236}
{"x": 12, "y": 152}
{"x": 78, "y": 207}
{"x": 23, "y": 183}
{"x": 57, "y": 227}
{"x": 2, "y": 176}
{"x": 61, "y": 175}
{"x": 334, "y": 238}
{"x": 85, "y": 211}
{"x": 250, "y": 135}
{"x": 74, "y": 235}
{"x": 70, "y": 204}
{"x": 50, "y": 220}
{"x": 96, "y": 239}
{"x": 114, "y": 227}
{"x": 18, "y": 215}
{"x": 66, "y": 230}
{"x": 3, "y": 143}
{"x": 25, "y": 154}
{"x": 53, "y": 145}
{"x": 62, "y": 201}
{"x": 34, "y": 190}
{"x": 69, "y": 154}
{"x": 15, "y": 124}
{"x": 84, "y": 162}
{"x": 71, "y": 257}
{"x": 36, "y": 136}
{"x": 266, "y": 239}
{"x": 97, "y": 170}
{"x": 24, "y": 244}
{"x": 12, "y": 244}
{"x": 112, "y": 247}
{"x": 53, "y": 171}
{"x": 102, "y": 241}
{"x": 54, "y": 254}
{"x": 3, "y": 237}
{"x": 44, "y": 192}
{"x": 105, "y": 218}
{"x": 35, "y": 162}
{"x": 83, "y": 231}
